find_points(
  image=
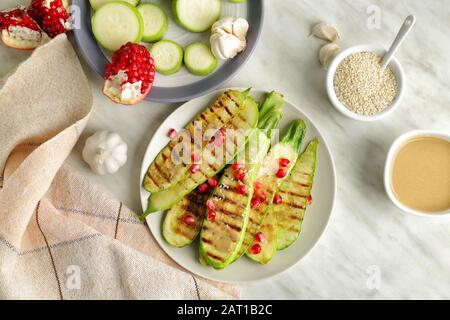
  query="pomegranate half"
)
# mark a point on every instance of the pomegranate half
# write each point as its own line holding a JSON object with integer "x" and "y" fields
{"x": 20, "y": 31}
{"x": 130, "y": 75}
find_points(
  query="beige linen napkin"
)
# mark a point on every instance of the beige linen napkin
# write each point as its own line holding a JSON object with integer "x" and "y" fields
{"x": 61, "y": 237}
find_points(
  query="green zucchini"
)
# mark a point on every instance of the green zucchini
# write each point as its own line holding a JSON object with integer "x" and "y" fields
{"x": 209, "y": 165}
{"x": 287, "y": 148}
{"x": 196, "y": 15}
{"x": 221, "y": 238}
{"x": 295, "y": 192}
{"x": 164, "y": 172}
{"x": 175, "y": 231}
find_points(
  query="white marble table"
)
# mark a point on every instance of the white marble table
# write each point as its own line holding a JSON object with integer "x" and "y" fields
{"x": 368, "y": 239}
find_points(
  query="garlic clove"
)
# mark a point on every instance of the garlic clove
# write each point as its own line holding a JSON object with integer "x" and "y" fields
{"x": 326, "y": 32}
{"x": 327, "y": 53}
{"x": 240, "y": 28}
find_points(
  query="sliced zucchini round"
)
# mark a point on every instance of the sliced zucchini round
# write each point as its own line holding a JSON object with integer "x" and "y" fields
{"x": 196, "y": 15}
{"x": 199, "y": 59}
{"x": 117, "y": 23}
{"x": 96, "y": 4}
{"x": 156, "y": 22}
{"x": 168, "y": 56}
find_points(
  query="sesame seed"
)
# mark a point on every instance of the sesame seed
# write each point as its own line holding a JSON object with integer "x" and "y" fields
{"x": 362, "y": 87}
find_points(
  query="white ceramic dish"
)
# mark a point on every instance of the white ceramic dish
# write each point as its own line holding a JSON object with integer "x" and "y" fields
{"x": 244, "y": 270}
{"x": 396, "y": 68}
{"x": 398, "y": 143}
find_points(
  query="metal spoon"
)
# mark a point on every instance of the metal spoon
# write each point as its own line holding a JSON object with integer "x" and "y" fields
{"x": 403, "y": 32}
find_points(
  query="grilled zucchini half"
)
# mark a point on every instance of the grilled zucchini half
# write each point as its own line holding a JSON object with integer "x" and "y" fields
{"x": 288, "y": 148}
{"x": 295, "y": 192}
{"x": 164, "y": 172}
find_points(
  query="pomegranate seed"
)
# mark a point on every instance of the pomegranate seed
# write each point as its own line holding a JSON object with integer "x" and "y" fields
{"x": 310, "y": 200}
{"x": 195, "y": 157}
{"x": 242, "y": 189}
{"x": 261, "y": 196}
{"x": 277, "y": 199}
{"x": 281, "y": 173}
{"x": 203, "y": 188}
{"x": 255, "y": 249}
{"x": 219, "y": 138}
{"x": 211, "y": 216}
{"x": 172, "y": 134}
{"x": 188, "y": 219}
{"x": 195, "y": 168}
{"x": 211, "y": 205}
{"x": 259, "y": 237}
{"x": 212, "y": 182}
{"x": 284, "y": 162}
{"x": 239, "y": 175}
{"x": 236, "y": 166}
{"x": 257, "y": 186}
{"x": 255, "y": 202}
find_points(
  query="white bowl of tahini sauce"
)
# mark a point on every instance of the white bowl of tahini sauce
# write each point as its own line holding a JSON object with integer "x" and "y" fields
{"x": 417, "y": 173}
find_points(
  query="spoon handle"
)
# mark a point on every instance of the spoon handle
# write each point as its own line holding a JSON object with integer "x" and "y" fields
{"x": 403, "y": 32}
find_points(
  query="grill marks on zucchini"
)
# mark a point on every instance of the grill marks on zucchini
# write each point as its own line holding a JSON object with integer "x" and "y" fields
{"x": 295, "y": 192}
{"x": 164, "y": 172}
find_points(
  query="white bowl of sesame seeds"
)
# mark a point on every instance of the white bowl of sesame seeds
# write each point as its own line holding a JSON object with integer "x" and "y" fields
{"x": 358, "y": 90}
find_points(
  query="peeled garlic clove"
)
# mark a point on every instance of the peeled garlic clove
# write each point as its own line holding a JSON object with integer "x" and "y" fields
{"x": 327, "y": 53}
{"x": 326, "y": 32}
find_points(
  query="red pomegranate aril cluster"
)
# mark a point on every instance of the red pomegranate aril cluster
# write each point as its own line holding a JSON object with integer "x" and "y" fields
{"x": 212, "y": 182}
{"x": 52, "y": 20}
{"x": 255, "y": 249}
{"x": 188, "y": 219}
{"x": 210, "y": 205}
{"x": 259, "y": 237}
{"x": 219, "y": 137}
{"x": 172, "y": 134}
{"x": 236, "y": 166}
{"x": 281, "y": 173}
{"x": 283, "y": 162}
{"x": 195, "y": 157}
{"x": 277, "y": 199}
{"x": 257, "y": 185}
{"x": 136, "y": 61}
{"x": 241, "y": 189}
{"x": 17, "y": 17}
{"x": 211, "y": 216}
{"x": 255, "y": 202}
{"x": 203, "y": 188}
{"x": 194, "y": 168}
{"x": 239, "y": 175}
{"x": 211, "y": 210}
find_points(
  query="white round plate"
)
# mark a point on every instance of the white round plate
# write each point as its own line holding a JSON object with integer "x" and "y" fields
{"x": 245, "y": 270}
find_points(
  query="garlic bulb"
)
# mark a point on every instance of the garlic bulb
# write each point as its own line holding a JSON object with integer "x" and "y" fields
{"x": 228, "y": 37}
{"x": 327, "y": 53}
{"x": 105, "y": 152}
{"x": 326, "y": 32}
